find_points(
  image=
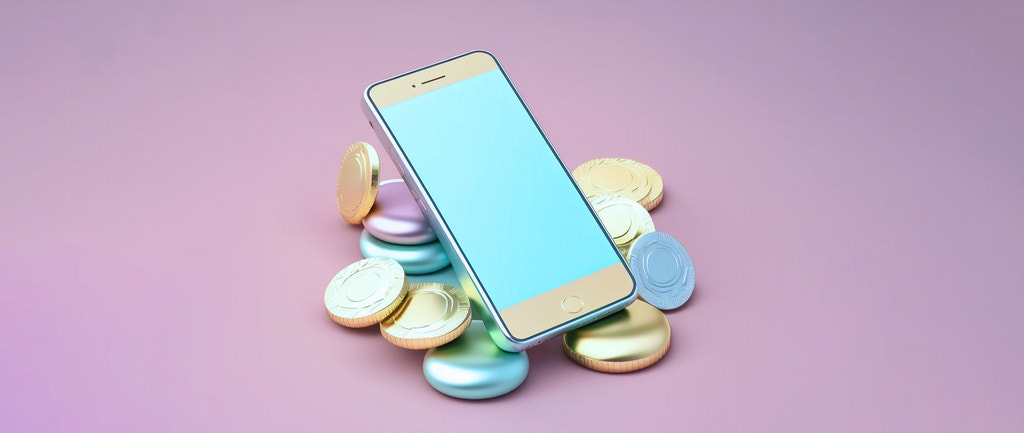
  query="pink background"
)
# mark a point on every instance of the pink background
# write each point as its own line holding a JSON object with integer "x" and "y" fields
{"x": 849, "y": 178}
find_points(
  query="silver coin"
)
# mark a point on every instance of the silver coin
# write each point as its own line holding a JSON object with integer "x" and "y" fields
{"x": 664, "y": 271}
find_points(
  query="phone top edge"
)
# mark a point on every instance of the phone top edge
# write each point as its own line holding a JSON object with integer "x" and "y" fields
{"x": 434, "y": 64}
{"x": 369, "y": 88}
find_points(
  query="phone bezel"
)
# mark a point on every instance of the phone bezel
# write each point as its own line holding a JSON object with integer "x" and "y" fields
{"x": 522, "y": 327}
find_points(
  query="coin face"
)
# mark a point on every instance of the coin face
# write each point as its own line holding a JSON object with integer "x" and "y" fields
{"x": 664, "y": 271}
{"x": 625, "y": 177}
{"x": 358, "y": 180}
{"x": 431, "y": 315}
{"x": 365, "y": 292}
{"x": 632, "y": 339}
{"x": 624, "y": 219}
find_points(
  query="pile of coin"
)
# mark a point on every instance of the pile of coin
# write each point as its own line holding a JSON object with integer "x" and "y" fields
{"x": 429, "y": 313}
{"x": 393, "y": 226}
{"x": 462, "y": 360}
{"x": 412, "y": 316}
{"x": 622, "y": 192}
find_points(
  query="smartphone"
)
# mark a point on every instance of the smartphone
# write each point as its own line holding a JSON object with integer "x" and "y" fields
{"x": 525, "y": 243}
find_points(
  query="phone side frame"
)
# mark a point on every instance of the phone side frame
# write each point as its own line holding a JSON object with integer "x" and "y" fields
{"x": 497, "y": 329}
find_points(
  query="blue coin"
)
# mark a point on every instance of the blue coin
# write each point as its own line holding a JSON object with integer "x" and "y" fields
{"x": 473, "y": 367}
{"x": 664, "y": 271}
{"x": 415, "y": 259}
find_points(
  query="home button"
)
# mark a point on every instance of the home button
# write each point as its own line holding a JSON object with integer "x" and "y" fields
{"x": 572, "y": 304}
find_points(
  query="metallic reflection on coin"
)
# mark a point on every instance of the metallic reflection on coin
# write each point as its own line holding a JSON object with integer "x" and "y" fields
{"x": 357, "y": 182}
{"x": 473, "y": 367}
{"x": 664, "y": 271}
{"x": 395, "y": 218}
{"x": 446, "y": 275}
{"x": 415, "y": 259}
{"x": 431, "y": 315}
{"x": 626, "y": 177}
{"x": 365, "y": 292}
{"x": 653, "y": 198}
{"x": 626, "y": 341}
{"x": 624, "y": 219}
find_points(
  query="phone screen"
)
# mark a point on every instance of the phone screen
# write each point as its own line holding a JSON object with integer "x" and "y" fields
{"x": 508, "y": 202}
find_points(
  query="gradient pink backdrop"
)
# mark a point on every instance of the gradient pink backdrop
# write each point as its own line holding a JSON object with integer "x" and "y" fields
{"x": 849, "y": 178}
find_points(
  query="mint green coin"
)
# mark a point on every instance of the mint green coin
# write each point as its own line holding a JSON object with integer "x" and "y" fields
{"x": 415, "y": 259}
{"x": 473, "y": 367}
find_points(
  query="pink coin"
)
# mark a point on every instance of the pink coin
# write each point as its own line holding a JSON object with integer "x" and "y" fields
{"x": 395, "y": 218}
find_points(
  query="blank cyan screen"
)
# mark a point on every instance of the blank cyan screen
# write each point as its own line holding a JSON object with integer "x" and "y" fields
{"x": 499, "y": 188}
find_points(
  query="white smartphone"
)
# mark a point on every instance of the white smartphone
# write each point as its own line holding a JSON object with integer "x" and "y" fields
{"x": 526, "y": 245}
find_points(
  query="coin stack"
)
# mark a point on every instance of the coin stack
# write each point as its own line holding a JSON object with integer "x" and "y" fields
{"x": 393, "y": 226}
{"x": 462, "y": 360}
{"x": 622, "y": 192}
{"x": 399, "y": 245}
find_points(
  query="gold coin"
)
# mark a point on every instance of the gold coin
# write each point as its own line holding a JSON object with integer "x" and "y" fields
{"x": 624, "y": 219}
{"x": 657, "y": 193}
{"x": 358, "y": 180}
{"x": 626, "y": 341}
{"x": 626, "y": 177}
{"x": 366, "y": 292}
{"x": 431, "y": 315}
